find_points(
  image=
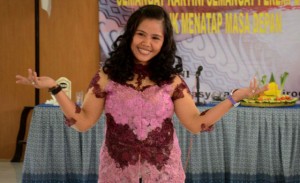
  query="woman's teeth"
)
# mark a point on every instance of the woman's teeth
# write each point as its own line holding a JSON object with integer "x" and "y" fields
{"x": 143, "y": 51}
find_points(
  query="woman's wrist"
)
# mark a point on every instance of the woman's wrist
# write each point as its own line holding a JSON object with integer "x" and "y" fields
{"x": 235, "y": 95}
{"x": 55, "y": 89}
{"x": 232, "y": 97}
{"x": 52, "y": 83}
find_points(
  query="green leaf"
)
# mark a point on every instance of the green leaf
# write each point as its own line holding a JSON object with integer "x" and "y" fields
{"x": 283, "y": 78}
{"x": 272, "y": 79}
{"x": 263, "y": 80}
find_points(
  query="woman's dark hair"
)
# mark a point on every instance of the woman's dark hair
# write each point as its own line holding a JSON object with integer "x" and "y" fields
{"x": 120, "y": 65}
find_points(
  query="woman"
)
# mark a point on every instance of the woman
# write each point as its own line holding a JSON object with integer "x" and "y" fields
{"x": 139, "y": 88}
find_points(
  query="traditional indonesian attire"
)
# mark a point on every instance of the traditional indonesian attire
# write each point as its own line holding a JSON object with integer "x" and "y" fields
{"x": 140, "y": 139}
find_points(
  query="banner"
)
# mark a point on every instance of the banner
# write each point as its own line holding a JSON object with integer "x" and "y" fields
{"x": 233, "y": 40}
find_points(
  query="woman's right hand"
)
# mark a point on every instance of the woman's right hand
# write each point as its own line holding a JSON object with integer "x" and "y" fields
{"x": 35, "y": 81}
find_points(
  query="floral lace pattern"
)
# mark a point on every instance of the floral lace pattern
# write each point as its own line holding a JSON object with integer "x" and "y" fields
{"x": 142, "y": 72}
{"x": 178, "y": 92}
{"x": 140, "y": 137}
{"x": 71, "y": 121}
{"x": 204, "y": 127}
{"x": 124, "y": 147}
{"x": 139, "y": 88}
{"x": 143, "y": 111}
{"x": 99, "y": 93}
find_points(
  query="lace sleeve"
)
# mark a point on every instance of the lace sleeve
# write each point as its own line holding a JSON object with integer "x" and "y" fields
{"x": 71, "y": 121}
{"x": 178, "y": 91}
{"x": 97, "y": 91}
{"x": 204, "y": 127}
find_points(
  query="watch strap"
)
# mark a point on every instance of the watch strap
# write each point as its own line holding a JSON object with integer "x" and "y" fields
{"x": 55, "y": 90}
{"x": 233, "y": 102}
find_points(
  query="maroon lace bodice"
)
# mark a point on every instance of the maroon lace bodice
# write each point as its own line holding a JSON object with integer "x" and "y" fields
{"x": 140, "y": 139}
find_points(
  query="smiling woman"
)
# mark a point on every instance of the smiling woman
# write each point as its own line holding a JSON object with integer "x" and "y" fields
{"x": 139, "y": 89}
{"x": 147, "y": 40}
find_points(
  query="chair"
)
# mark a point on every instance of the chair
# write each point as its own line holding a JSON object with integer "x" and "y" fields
{"x": 21, "y": 134}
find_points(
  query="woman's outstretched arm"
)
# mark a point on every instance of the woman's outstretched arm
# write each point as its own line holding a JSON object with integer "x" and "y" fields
{"x": 196, "y": 121}
{"x": 80, "y": 118}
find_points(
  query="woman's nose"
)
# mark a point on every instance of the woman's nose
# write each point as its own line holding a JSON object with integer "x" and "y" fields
{"x": 146, "y": 42}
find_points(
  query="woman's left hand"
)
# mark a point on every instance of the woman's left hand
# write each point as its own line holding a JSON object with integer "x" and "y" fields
{"x": 250, "y": 91}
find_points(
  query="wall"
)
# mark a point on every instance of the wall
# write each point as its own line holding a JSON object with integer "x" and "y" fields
{"x": 69, "y": 47}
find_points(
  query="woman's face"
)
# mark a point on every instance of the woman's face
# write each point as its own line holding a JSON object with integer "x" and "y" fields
{"x": 147, "y": 40}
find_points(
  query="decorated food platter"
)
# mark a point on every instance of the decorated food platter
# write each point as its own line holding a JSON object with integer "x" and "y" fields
{"x": 273, "y": 97}
{"x": 282, "y": 101}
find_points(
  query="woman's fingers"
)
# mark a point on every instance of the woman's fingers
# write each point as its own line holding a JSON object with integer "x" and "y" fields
{"x": 35, "y": 79}
{"x": 262, "y": 89}
{"x": 30, "y": 74}
{"x": 251, "y": 83}
{"x": 31, "y": 79}
{"x": 254, "y": 87}
{"x": 21, "y": 80}
{"x": 255, "y": 82}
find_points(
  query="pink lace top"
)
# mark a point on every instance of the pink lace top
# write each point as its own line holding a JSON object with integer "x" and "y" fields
{"x": 140, "y": 139}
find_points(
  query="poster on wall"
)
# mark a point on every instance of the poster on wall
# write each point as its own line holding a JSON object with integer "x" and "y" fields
{"x": 232, "y": 41}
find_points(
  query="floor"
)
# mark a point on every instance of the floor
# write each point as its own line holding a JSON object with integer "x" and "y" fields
{"x": 10, "y": 172}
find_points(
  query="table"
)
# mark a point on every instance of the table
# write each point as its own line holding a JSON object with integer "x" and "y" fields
{"x": 248, "y": 145}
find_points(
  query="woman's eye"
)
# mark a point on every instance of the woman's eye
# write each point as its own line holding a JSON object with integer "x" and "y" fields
{"x": 140, "y": 34}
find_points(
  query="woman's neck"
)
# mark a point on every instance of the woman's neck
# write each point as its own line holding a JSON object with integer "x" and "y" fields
{"x": 142, "y": 71}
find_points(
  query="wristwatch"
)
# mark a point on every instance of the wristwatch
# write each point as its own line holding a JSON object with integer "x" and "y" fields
{"x": 234, "y": 103}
